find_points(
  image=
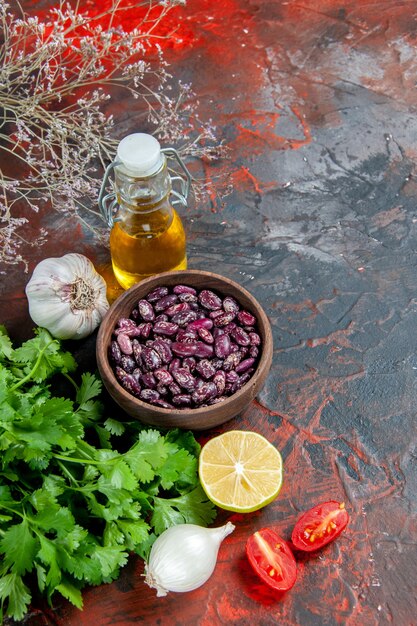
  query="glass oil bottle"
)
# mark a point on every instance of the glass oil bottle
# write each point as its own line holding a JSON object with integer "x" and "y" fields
{"x": 147, "y": 235}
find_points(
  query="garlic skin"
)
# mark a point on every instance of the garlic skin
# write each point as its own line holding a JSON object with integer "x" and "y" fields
{"x": 183, "y": 557}
{"x": 67, "y": 296}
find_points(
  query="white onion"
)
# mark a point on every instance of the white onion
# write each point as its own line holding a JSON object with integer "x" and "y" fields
{"x": 183, "y": 557}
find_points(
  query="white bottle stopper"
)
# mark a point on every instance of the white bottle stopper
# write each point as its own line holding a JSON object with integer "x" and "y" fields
{"x": 140, "y": 154}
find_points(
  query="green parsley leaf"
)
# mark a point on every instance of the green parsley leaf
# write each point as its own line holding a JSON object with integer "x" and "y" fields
{"x": 190, "y": 508}
{"x": 19, "y": 547}
{"x": 80, "y": 564}
{"x": 134, "y": 533}
{"x": 147, "y": 455}
{"x": 90, "y": 411}
{"x": 184, "y": 439}
{"x": 6, "y": 347}
{"x": 41, "y": 576}
{"x": 13, "y": 589}
{"x": 48, "y": 554}
{"x": 111, "y": 558}
{"x": 71, "y": 593}
{"x": 120, "y": 475}
{"x": 90, "y": 388}
{"x": 112, "y": 534}
{"x": 42, "y": 499}
{"x": 5, "y": 377}
{"x": 180, "y": 467}
{"x": 6, "y": 499}
{"x": 57, "y": 519}
{"x": 43, "y": 357}
{"x": 165, "y": 515}
{"x": 114, "y": 427}
{"x": 74, "y": 539}
{"x": 103, "y": 436}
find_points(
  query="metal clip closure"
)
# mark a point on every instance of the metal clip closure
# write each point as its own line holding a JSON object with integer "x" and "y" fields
{"x": 107, "y": 202}
{"x": 185, "y": 184}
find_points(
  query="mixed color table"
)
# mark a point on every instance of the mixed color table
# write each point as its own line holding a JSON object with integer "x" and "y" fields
{"x": 316, "y": 102}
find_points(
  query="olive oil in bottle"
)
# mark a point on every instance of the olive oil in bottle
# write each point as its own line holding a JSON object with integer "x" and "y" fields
{"x": 147, "y": 235}
{"x": 151, "y": 244}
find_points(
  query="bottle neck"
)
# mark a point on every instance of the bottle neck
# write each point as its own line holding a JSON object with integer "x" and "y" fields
{"x": 144, "y": 193}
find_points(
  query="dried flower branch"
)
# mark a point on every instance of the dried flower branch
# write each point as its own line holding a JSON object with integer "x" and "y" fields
{"x": 56, "y": 78}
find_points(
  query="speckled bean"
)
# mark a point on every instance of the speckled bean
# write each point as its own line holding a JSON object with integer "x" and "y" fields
{"x": 157, "y": 294}
{"x": 165, "y": 302}
{"x": 146, "y": 310}
{"x": 209, "y": 300}
{"x": 125, "y": 343}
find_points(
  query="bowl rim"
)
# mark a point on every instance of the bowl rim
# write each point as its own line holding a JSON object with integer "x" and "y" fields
{"x": 104, "y": 366}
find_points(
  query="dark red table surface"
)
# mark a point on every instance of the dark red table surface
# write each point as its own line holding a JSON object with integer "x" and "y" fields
{"x": 316, "y": 101}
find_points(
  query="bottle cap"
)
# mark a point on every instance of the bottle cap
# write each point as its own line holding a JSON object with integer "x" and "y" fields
{"x": 140, "y": 154}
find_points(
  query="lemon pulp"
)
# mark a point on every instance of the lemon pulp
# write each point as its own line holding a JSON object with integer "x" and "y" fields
{"x": 240, "y": 471}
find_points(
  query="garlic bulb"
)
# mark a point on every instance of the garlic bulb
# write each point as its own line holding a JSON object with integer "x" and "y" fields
{"x": 67, "y": 296}
{"x": 183, "y": 557}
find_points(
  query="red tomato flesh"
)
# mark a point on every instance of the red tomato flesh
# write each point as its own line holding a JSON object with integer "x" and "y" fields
{"x": 319, "y": 526}
{"x": 272, "y": 559}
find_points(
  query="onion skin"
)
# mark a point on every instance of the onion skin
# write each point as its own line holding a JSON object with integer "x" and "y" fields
{"x": 67, "y": 296}
{"x": 183, "y": 557}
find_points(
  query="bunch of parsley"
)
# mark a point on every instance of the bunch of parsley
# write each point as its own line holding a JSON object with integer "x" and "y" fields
{"x": 79, "y": 492}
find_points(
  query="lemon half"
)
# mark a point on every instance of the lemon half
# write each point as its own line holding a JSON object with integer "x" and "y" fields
{"x": 240, "y": 471}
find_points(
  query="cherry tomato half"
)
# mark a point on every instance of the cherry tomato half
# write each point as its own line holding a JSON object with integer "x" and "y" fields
{"x": 319, "y": 526}
{"x": 272, "y": 559}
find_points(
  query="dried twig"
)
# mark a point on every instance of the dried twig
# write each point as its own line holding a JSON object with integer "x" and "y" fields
{"x": 56, "y": 78}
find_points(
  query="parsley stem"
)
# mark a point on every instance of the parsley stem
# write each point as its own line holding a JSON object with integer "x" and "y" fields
{"x": 8, "y": 508}
{"x": 23, "y": 380}
{"x": 68, "y": 473}
{"x": 73, "y": 459}
{"x": 88, "y": 450}
{"x": 71, "y": 380}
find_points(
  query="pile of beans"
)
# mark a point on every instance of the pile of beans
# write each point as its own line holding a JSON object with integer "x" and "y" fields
{"x": 183, "y": 348}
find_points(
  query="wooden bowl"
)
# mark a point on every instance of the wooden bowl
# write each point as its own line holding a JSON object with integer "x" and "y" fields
{"x": 194, "y": 419}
